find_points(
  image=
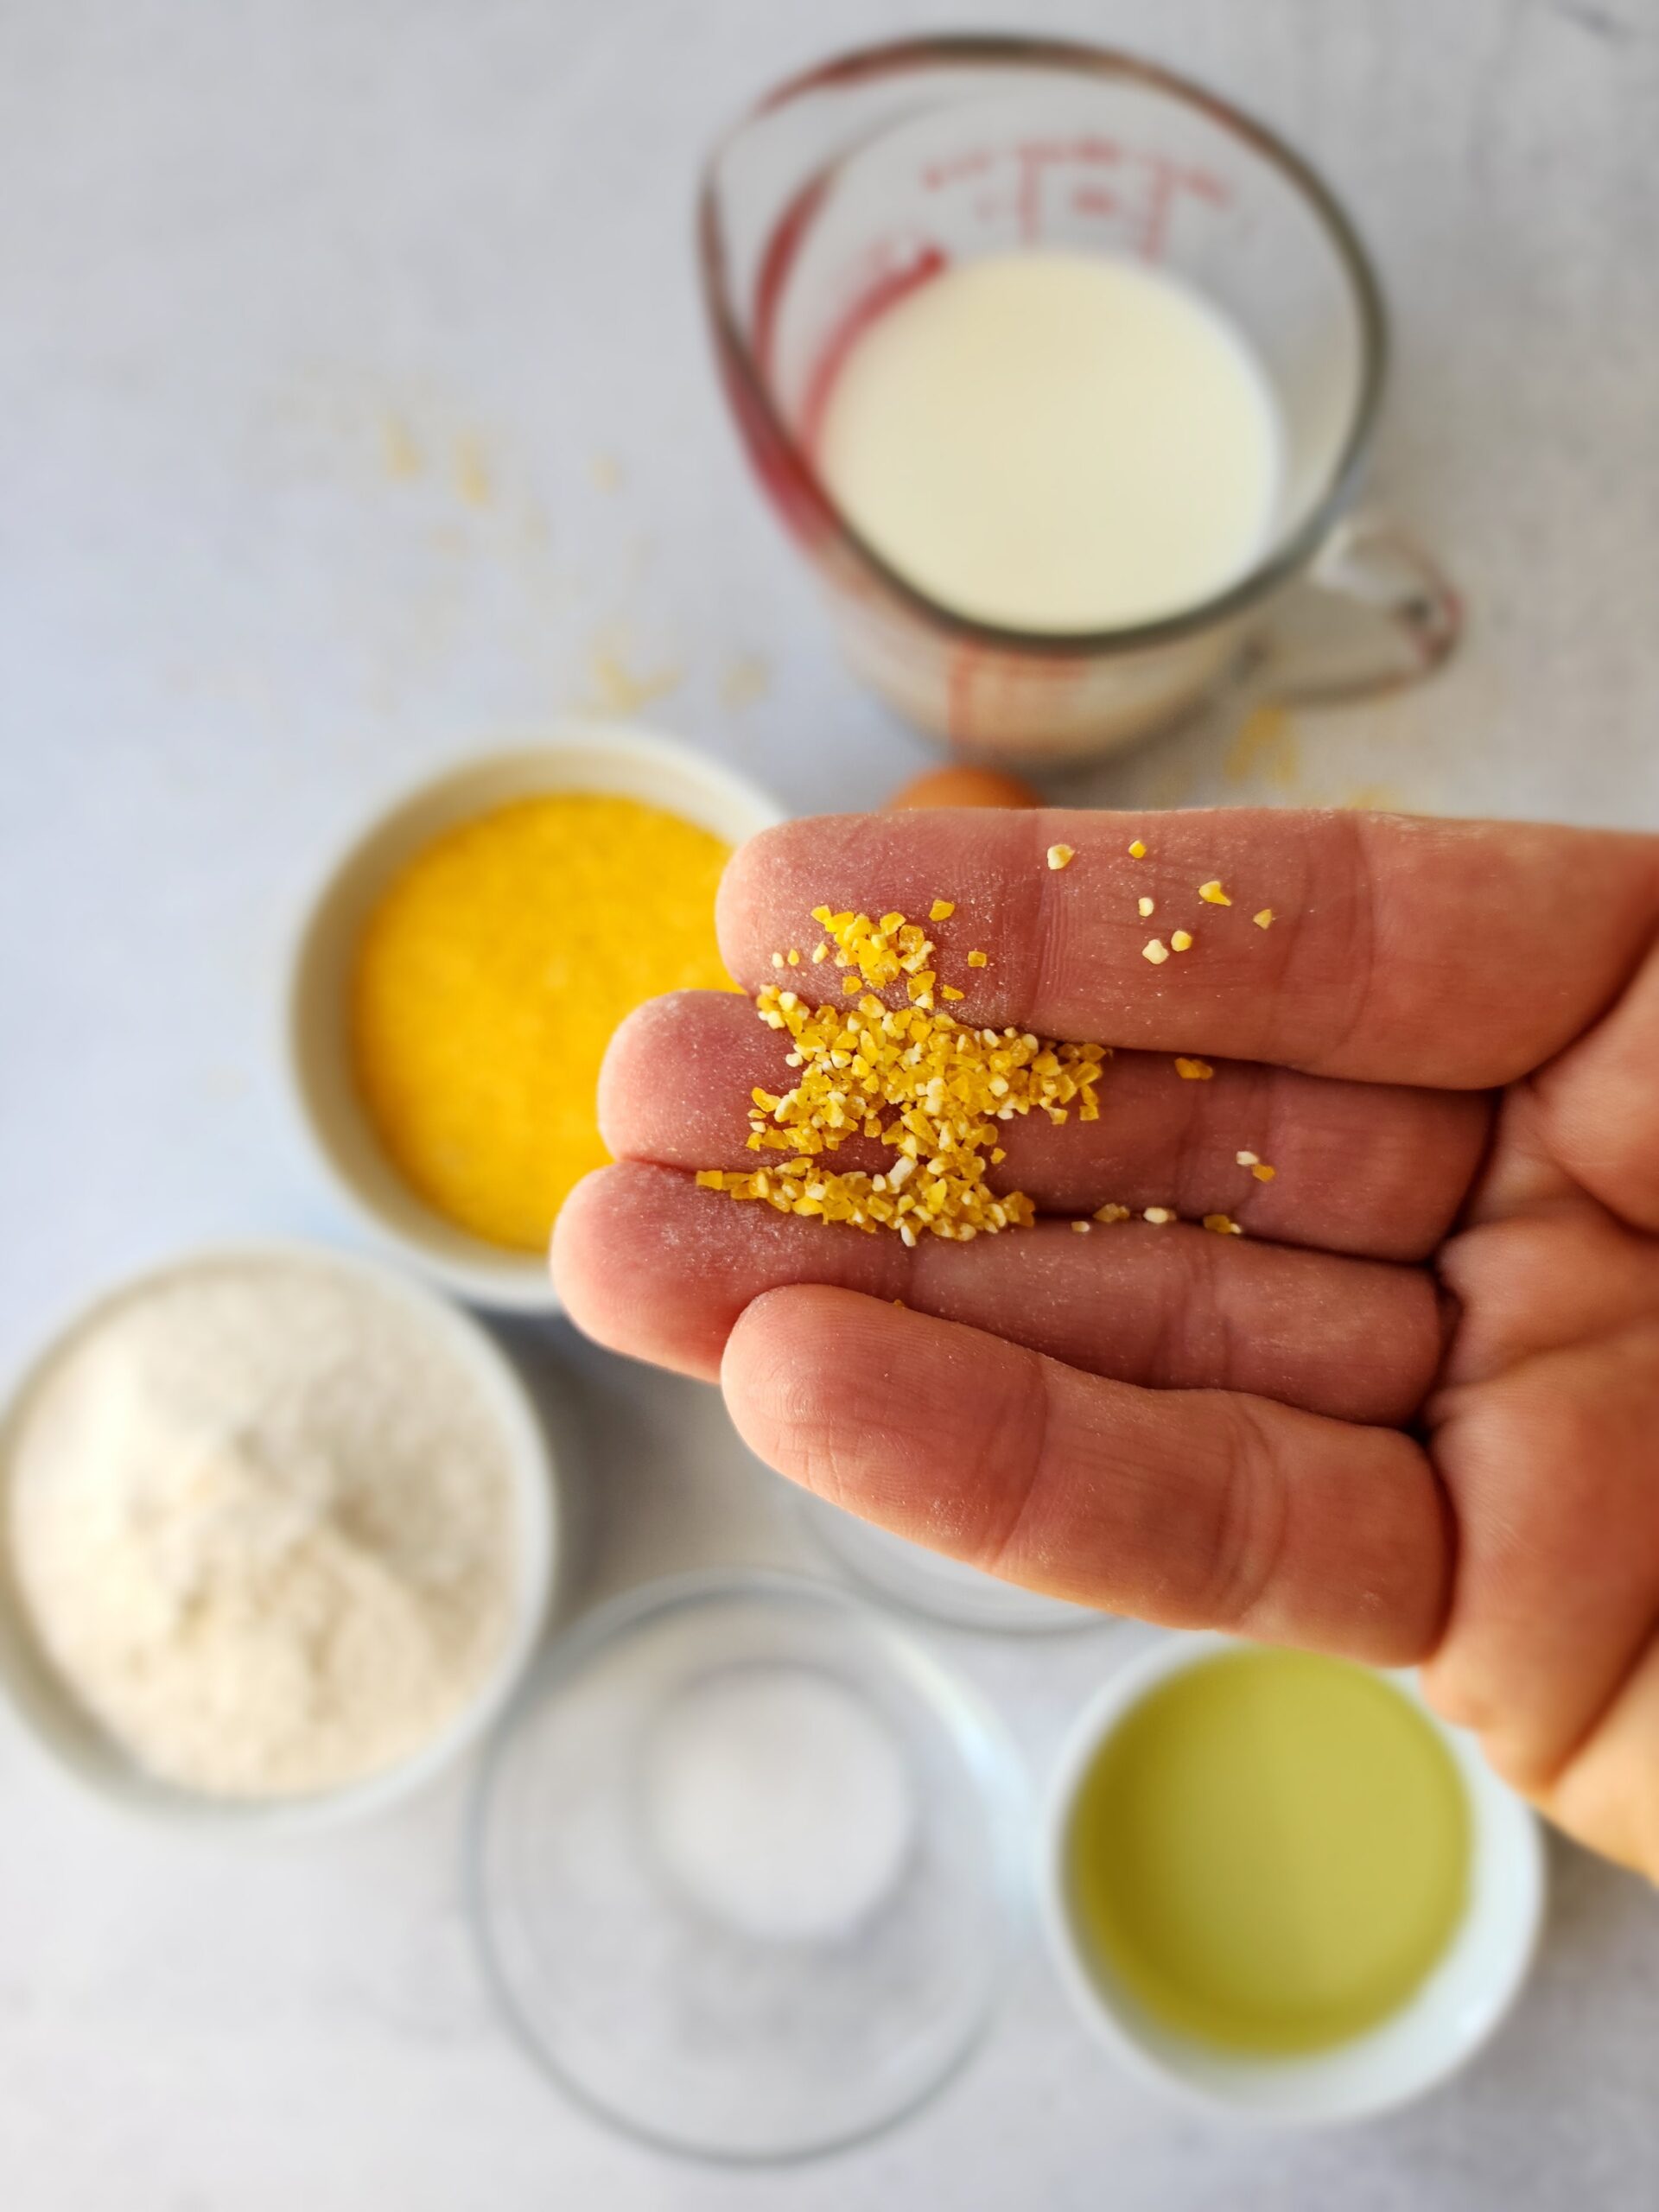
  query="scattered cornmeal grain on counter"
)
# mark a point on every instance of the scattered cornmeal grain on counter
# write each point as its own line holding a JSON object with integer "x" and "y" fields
{"x": 794, "y": 956}
{"x": 1159, "y": 1215}
{"x": 1264, "y": 919}
{"x": 1213, "y": 894}
{"x": 978, "y": 959}
{"x": 932, "y": 1090}
{"x": 1146, "y": 907}
{"x": 1111, "y": 1212}
{"x": 1060, "y": 855}
{"x": 949, "y": 991}
{"x": 1081, "y": 1227}
{"x": 1221, "y": 1224}
{"x": 1192, "y": 1071}
{"x": 941, "y": 909}
{"x": 1137, "y": 850}
{"x": 1156, "y": 951}
{"x": 489, "y": 978}
{"x": 1180, "y": 940}
{"x": 1263, "y": 1172}
{"x": 1247, "y": 1158}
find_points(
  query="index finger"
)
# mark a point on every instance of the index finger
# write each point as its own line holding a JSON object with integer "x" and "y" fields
{"x": 1457, "y": 955}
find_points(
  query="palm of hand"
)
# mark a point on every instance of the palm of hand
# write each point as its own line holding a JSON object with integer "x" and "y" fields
{"x": 1544, "y": 1432}
{"x": 1410, "y": 1417}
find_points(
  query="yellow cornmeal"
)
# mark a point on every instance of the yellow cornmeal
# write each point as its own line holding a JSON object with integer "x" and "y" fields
{"x": 489, "y": 979}
{"x": 949, "y": 1087}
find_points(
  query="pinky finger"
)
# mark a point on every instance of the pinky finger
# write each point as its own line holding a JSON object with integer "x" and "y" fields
{"x": 1192, "y": 1508}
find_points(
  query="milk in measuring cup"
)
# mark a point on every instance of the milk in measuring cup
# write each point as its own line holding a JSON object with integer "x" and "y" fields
{"x": 1053, "y": 441}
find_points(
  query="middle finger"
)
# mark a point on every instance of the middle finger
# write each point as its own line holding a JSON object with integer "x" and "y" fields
{"x": 1358, "y": 1167}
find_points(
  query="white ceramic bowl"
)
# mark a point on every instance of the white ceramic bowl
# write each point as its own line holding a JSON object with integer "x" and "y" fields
{"x": 58, "y": 1723}
{"x": 596, "y": 757}
{"x": 1454, "y": 2011}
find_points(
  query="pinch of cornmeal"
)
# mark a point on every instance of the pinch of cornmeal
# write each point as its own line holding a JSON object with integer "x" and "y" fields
{"x": 931, "y": 1089}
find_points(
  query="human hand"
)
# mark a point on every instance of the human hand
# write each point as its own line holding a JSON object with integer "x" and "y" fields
{"x": 1411, "y": 1416}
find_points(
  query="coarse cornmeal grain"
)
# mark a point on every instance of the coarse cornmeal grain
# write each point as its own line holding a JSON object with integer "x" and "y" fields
{"x": 489, "y": 979}
{"x": 931, "y": 1088}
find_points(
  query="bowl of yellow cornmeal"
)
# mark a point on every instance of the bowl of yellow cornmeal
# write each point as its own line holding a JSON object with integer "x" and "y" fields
{"x": 462, "y": 970}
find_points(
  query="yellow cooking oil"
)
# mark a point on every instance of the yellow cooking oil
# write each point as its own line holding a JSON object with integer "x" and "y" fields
{"x": 1270, "y": 1852}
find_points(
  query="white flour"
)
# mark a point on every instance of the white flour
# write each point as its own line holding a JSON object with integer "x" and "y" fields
{"x": 263, "y": 1522}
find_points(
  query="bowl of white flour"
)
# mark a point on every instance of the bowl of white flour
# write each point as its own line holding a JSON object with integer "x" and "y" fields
{"x": 278, "y": 1532}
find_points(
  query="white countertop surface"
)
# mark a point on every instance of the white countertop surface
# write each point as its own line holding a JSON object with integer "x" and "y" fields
{"x": 354, "y": 407}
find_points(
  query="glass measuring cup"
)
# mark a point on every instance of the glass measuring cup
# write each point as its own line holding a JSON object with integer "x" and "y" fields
{"x": 849, "y": 186}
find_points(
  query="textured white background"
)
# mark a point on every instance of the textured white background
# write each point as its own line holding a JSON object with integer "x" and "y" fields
{"x": 281, "y": 284}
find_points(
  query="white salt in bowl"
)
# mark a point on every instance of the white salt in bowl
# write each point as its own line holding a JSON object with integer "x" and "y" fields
{"x": 745, "y": 1867}
{"x": 601, "y": 759}
{"x": 49, "y": 1711}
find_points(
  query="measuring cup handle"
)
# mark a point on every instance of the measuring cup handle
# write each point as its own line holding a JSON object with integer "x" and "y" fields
{"x": 1406, "y": 619}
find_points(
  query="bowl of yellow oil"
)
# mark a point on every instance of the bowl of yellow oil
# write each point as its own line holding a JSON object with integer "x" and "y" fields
{"x": 1277, "y": 1882}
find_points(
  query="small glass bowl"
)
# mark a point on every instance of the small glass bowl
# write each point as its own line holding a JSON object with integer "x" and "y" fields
{"x": 724, "y": 2002}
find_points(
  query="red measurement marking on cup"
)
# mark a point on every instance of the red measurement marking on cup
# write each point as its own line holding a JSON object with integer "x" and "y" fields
{"x": 1036, "y": 156}
{"x": 1148, "y": 187}
{"x": 886, "y": 290}
{"x": 1167, "y": 180}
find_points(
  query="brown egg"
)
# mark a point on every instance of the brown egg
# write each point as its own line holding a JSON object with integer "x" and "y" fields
{"x": 963, "y": 787}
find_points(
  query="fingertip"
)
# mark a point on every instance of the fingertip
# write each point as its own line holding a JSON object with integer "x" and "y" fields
{"x": 666, "y": 1063}
{"x": 875, "y": 1407}
{"x": 578, "y": 1237}
{"x": 786, "y": 1369}
{"x": 771, "y": 1369}
{"x": 633, "y": 1042}
{"x": 606, "y": 1264}
{"x": 748, "y": 890}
